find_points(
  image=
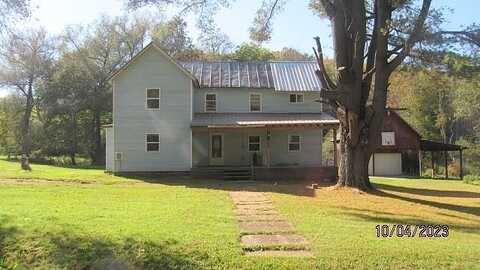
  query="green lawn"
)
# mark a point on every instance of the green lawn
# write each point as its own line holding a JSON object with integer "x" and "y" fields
{"x": 189, "y": 224}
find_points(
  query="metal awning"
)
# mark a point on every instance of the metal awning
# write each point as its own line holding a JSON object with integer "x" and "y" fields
{"x": 239, "y": 120}
{"x": 427, "y": 145}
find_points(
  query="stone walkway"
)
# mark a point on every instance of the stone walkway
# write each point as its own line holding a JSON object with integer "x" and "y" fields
{"x": 263, "y": 232}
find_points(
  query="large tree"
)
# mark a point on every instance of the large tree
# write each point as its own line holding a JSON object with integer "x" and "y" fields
{"x": 371, "y": 39}
{"x": 11, "y": 10}
{"x": 27, "y": 59}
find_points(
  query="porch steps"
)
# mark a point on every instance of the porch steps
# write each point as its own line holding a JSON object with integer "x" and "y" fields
{"x": 231, "y": 173}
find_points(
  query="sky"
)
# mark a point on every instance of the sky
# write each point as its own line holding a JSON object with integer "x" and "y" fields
{"x": 295, "y": 27}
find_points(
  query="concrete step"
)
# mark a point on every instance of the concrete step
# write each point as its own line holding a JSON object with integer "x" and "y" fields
{"x": 280, "y": 253}
{"x": 267, "y": 227}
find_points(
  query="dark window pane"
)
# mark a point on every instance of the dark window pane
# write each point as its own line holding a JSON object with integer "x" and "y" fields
{"x": 294, "y": 147}
{"x": 294, "y": 139}
{"x": 254, "y": 139}
{"x": 211, "y": 97}
{"x": 153, "y": 93}
{"x": 153, "y": 103}
{"x": 153, "y": 147}
{"x": 153, "y": 138}
{"x": 293, "y": 98}
{"x": 217, "y": 146}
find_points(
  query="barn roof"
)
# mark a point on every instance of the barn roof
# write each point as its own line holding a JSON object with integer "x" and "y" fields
{"x": 277, "y": 75}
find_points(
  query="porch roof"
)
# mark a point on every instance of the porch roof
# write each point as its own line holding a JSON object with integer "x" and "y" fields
{"x": 229, "y": 120}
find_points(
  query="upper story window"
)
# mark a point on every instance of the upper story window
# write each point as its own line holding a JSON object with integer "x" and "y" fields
{"x": 296, "y": 98}
{"x": 254, "y": 143}
{"x": 210, "y": 102}
{"x": 388, "y": 138}
{"x": 255, "y": 102}
{"x": 294, "y": 142}
{"x": 153, "y": 99}
{"x": 152, "y": 141}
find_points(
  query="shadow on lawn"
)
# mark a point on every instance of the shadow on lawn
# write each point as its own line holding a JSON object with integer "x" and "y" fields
{"x": 430, "y": 192}
{"x": 286, "y": 187}
{"x": 19, "y": 250}
{"x": 382, "y": 190}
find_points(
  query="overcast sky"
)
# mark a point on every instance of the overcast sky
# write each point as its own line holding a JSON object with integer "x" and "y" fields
{"x": 295, "y": 27}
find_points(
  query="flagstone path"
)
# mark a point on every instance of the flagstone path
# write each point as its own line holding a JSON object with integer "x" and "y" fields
{"x": 263, "y": 231}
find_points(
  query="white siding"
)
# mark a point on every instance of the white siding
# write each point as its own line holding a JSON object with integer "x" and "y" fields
{"x": 109, "y": 149}
{"x": 237, "y": 100}
{"x": 132, "y": 120}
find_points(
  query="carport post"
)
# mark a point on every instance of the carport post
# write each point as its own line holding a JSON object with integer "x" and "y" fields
{"x": 461, "y": 164}
{"x": 433, "y": 166}
{"x": 420, "y": 163}
{"x": 445, "y": 153}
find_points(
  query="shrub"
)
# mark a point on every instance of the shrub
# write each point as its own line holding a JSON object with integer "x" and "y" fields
{"x": 472, "y": 179}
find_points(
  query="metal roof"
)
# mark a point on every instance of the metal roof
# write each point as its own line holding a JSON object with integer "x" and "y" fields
{"x": 278, "y": 75}
{"x": 261, "y": 119}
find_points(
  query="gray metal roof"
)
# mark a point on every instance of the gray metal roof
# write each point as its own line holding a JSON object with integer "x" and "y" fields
{"x": 278, "y": 75}
{"x": 261, "y": 119}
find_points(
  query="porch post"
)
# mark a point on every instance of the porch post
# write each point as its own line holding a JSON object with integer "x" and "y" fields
{"x": 268, "y": 149}
{"x": 445, "y": 153}
{"x": 335, "y": 148}
{"x": 461, "y": 164}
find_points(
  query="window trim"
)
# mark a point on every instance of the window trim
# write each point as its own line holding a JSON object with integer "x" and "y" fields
{"x": 147, "y": 143}
{"x": 147, "y": 98}
{"x": 205, "y": 102}
{"x": 259, "y": 144}
{"x": 394, "y": 139}
{"x": 250, "y": 101}
{"x": 296, "y": 98}
{"x": 299, "y": 143}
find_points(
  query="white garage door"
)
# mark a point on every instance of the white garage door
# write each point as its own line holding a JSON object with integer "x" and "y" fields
{"x": 388, "y": 164}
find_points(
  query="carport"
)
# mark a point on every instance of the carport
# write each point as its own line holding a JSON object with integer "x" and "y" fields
{"x": 436, "y": 147}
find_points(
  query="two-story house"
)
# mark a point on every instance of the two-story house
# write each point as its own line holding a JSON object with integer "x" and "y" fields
{"x": 171, "y": 116}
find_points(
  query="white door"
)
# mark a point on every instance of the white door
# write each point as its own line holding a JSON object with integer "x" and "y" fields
{"x": 216, "y": 149}
{"x": 386, "y": 164}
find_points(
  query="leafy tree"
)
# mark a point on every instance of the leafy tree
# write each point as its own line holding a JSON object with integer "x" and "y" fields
{"x": 12, "y": 10}
{"x": 249, "y": 52}
{"x": 212, "y": 40}
{"x": 27, "y": 59}
{"x": 291, "y": 54}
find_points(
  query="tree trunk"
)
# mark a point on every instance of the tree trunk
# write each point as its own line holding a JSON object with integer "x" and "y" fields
{"x": 353, "y": 162}
{"x": 98, "y": 157}
{"x": 25, "y": 130}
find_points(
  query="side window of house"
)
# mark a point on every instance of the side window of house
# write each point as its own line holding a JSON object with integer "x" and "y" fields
{"x": 254, "y": 143}
{"x": 388, "y": 138}
{"x": 294, "y": 142}
{"x": 296, "y": 98}
{"x": 255, "y": 102}
{"x": 153, "y": 99}
{"x": 210, "y": 102}
{"x": 152, "y": 141}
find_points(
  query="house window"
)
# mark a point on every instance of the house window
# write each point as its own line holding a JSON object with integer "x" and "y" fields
{"x": 210, "y": 102}
{"x": 153, "y": 98}
{"x": 152, "y": 142}
{"x": 255, "y": 102}
{"x": 388, "y": 138}
{"x": 254, "y": 143}
{"x": 296, "y": 98}
{"x": 293, "y": 143}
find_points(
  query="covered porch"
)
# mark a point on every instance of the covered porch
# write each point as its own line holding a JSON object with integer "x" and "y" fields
{"x": 271, "y": 145}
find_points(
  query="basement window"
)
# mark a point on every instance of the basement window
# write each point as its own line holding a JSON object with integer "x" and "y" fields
{"x": 153, "y": 99}
{"x": 294, "y": 143}
{"x": 210, "y": 102}
{"x": 254, "y": 143}
{"x": 152, "y": 142}
{"x": 296, "y": 98}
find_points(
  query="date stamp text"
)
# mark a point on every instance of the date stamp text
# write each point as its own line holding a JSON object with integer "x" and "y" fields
{"x": 412, "y": 230}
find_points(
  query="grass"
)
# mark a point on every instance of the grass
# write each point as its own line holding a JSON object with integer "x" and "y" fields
{"x": 189, "y": 224}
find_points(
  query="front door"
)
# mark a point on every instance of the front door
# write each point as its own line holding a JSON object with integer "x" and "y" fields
{"x": 216, "y": 149}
